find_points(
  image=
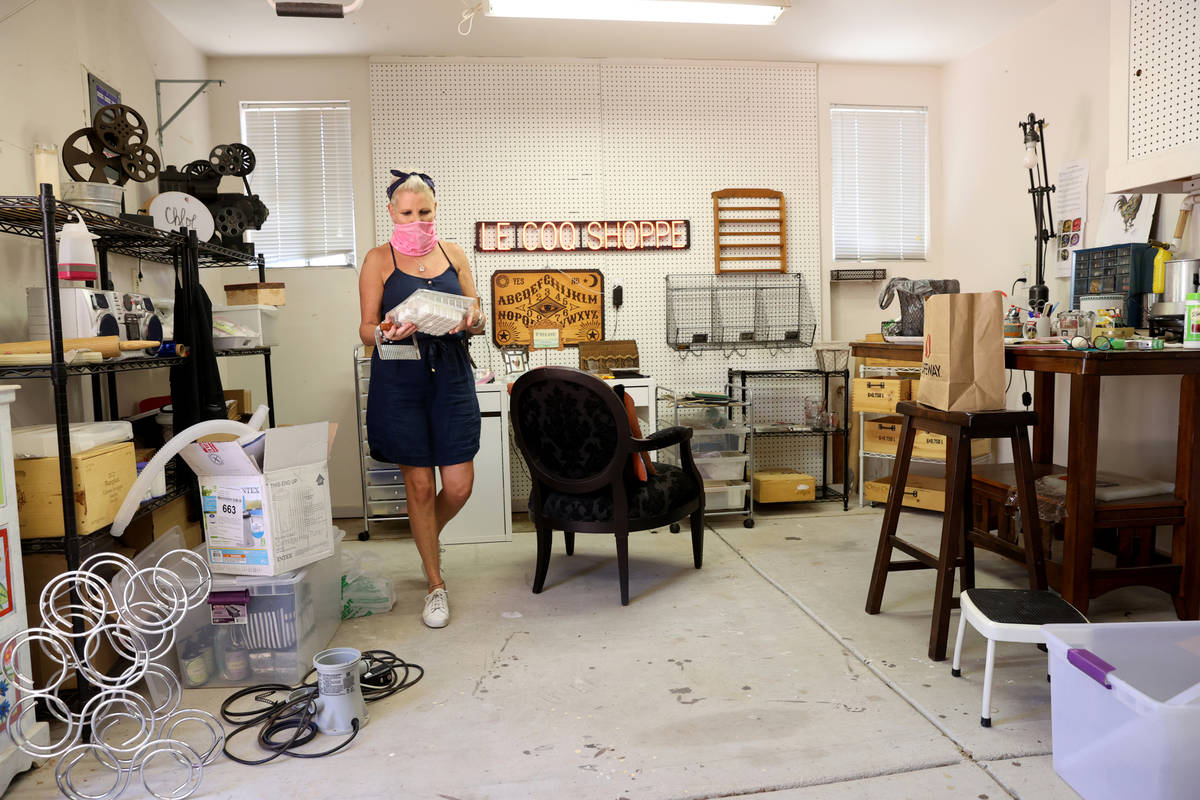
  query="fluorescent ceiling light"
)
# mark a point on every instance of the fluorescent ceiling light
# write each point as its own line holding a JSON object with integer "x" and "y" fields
{"x": 719, "y": 12}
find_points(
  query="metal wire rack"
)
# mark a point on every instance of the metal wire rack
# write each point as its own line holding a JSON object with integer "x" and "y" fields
{"x": 737, "y": 312}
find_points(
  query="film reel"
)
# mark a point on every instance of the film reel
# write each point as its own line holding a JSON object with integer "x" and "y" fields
{"x": 231, "y": 221}
{"x": 85, "y": 159}
{"x": 142, "y": 164}
{"x": 120, "y": 128}
{"x": 232, "y": 159}
{"x": 200, "y": 169}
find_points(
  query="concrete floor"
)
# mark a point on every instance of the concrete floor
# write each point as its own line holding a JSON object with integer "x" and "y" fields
{"x": 758, "y": 676}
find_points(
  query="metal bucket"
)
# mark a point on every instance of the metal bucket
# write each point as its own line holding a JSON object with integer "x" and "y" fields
{"x": 101, "y": 197}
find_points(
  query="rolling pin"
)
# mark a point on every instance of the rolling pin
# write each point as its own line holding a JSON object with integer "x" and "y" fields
{"x": 107, "y": 346}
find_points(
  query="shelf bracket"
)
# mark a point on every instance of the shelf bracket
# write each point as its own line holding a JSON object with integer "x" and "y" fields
{"x": 162, "y": 126}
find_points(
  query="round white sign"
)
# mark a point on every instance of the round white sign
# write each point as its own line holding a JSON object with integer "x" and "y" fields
{"x": 175, "y": 210}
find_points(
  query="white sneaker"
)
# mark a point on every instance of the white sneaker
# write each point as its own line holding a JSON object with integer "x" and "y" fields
{"x": 437, "y": 609}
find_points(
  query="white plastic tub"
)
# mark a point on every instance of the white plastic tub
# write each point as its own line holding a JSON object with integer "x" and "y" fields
{"x": 724, "y": 495}
{"x": 41, "y": 441}
{"x": 261, "y": 321}
{"x": 722, "y": 465}
{"x": 1125, "y": 708}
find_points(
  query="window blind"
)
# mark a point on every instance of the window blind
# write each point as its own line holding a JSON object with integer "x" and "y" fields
{"x": 880, "y": 183}
{"x": 303, "y": 174}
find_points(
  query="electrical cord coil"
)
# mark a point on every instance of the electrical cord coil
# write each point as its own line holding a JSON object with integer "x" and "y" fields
{"x": 385, "y": 675}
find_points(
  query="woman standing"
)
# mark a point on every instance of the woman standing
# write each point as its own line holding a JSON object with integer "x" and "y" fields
{"x": 422, "y": 413}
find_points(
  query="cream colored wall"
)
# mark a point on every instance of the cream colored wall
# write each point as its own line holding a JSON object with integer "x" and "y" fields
{"x": 987, "y": 212}
{"x": 853, "y": 306}
{"x": 46, "y": 50}
{"x": 313, "y": 370}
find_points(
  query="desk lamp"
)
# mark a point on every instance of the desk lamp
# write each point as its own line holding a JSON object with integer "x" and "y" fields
{"x": 1043, "y": 217}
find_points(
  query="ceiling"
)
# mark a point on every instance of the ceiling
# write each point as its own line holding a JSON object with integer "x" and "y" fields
{"x": 880, "y": 31}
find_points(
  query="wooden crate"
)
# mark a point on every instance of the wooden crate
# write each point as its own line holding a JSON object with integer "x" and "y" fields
{"x": 882, "y": 435}
{"x": 921, "y": 491}
{"x": 879, "y": 395}
{"x": 887, "y": 362}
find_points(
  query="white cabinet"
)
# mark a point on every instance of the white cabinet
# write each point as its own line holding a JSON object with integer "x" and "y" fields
{"x": 1154, "y": 123}
{"x": 12, "y": 602}
{"x": 487, "y": 516}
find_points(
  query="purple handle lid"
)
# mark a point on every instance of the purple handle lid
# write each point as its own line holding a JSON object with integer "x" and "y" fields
{"x": 238, "y": 597}
{"x": 1091, "y": 665}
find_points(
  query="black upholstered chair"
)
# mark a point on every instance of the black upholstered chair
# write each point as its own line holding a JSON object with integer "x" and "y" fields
{"x": 573, "y": 432}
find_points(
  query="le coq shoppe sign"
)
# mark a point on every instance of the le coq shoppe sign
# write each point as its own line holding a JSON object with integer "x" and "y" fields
{"x": 582, "y": 236}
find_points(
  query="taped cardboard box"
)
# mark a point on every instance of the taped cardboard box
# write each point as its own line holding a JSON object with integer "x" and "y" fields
{"x": 102, "y": 477}
{"x": 266, "y": 504}
{"x": 783, "y": 486}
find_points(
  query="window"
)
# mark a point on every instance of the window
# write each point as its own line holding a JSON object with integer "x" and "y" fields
{"x": 303, "y": 175}
{"x": 880, "y": 183}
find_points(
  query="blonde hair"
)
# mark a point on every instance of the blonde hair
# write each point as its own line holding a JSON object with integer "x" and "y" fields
{"x": 413, "y": 184}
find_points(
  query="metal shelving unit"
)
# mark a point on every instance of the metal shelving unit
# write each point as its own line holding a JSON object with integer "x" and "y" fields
{"x": 738, "y": 404}
{"x": 40, "y": 217}
{"x": 740, "y": 377}
{"x": 869, "y": 372}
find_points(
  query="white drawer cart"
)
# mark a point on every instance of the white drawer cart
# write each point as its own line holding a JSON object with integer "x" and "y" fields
{"x": 487, "y": 516}
{"x": 12, "y": 602}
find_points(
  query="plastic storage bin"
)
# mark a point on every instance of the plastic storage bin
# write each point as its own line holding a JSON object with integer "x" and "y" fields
{"x": 261, "y": 321}
{"x": 1125, "y": 708}
{"x": 724, "y": 495}
{"x": 41, "y": 441}
{"x": 289, "y": 619}
{"x": 434, "y": 313}
{"x": 723, "y": 465}
{"x": 732, "y": 438}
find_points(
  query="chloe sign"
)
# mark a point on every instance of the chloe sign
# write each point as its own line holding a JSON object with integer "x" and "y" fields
{"x": 593, "y": 235}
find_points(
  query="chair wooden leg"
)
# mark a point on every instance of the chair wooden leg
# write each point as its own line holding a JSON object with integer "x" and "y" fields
{"x": 952, "y": 527}
{"x": 623, "y": 565}
{"x": 569, "y": 539}
{"x": 966, "y": 575}
{"x": 698, "y": 537}
{"x": 891, "y": 517}
{"x": 544, "y": 543}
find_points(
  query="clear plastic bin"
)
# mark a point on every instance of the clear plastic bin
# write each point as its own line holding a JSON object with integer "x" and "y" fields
{"x": 722, "y": 465}
{"x": 289, "y": 619}
{"x": 41, "y": 441}
{"x": 724, "y": 495}
{"x": 434, "y": 313}
{"x": 261, "y": 321}
{"x": 1131, "y": 731}
{"x": 732, "y": 438}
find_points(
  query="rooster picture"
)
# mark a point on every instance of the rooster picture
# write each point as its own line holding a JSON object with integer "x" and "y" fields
{"x": 1128, "y": 206}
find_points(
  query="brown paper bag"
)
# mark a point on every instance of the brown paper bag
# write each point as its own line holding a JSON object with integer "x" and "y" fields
{"x": 963, "y": 364}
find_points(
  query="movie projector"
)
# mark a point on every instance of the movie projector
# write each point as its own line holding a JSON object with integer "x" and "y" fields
{"x": 232, "y": 213}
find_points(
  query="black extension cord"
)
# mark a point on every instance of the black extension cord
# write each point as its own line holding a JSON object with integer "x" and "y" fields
{"x": 386, "y": 674}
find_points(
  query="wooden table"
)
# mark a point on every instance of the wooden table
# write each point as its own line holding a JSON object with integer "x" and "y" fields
{"x": 1079, "y": 581}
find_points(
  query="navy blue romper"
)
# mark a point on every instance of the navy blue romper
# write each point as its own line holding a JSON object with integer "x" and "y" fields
{"x": 423, "y": 412}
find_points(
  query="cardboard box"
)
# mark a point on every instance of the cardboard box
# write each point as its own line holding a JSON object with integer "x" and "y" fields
{"x": 268, "y": 519}
{"x": 879, "y": 394}
{"x": 241, "y": 402}
{"x": 921, "y": 491}
{"x": 253, "y": 294}
{"x": 783, "y": 486}
{"x": 102, "y": 476}
{"x": 39, "y": 569}
{"x": 882, "y": 435}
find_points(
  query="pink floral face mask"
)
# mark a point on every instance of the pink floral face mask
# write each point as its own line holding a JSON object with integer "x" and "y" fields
{"x": 414, "y": 238}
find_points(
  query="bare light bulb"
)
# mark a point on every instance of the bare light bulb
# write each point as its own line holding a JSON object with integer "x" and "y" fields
{"x": 1030, "y": 160}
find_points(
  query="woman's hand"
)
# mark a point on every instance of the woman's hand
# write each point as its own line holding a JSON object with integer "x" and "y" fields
{"x": 472, "y": 322}
{"x": 393, "y": 332}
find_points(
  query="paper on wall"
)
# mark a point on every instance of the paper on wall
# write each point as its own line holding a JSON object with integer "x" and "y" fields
{"x": 1070, "y": 215}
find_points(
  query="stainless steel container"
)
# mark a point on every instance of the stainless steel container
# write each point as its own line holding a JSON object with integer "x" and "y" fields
{"x": 101, "y": 197}
{"x": 1181, "y": 277}
{"x": 1149, "y": 300}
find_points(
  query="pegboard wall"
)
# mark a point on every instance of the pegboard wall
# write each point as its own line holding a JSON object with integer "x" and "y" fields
{"x": 1164, "y": 70}
{"x": 514, "y": 140}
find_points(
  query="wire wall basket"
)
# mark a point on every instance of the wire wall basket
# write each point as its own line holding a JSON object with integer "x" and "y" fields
{"x": 737, "y": 312}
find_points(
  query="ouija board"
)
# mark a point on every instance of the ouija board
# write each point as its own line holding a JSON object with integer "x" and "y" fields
{"x": 570, "y": 300}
